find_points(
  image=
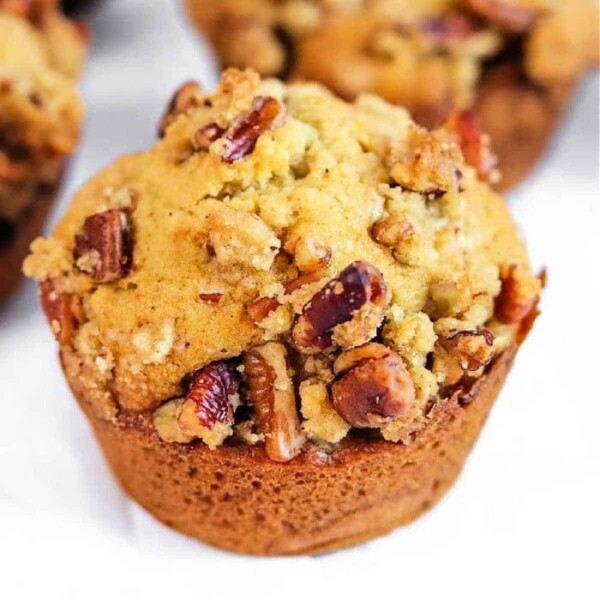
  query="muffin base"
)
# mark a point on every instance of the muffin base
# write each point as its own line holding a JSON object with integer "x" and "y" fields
{"x": 28, "y": 227}
{"x": 236, "y": 499}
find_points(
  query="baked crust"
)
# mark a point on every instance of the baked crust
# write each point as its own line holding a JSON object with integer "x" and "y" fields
{"x": 237, "y": 499}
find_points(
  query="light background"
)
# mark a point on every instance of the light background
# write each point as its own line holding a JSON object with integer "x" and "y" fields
{"x": 522, "y": 520}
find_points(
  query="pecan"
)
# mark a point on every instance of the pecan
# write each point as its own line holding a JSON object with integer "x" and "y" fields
{"x": 505, "y": 14}
{"x": 206, "y": 135}
{"x": 309, "y": 254}
{"x": 265, "y": 114}
{"x": 185, "y": 98}
{"x": 209, "y": 398}
{"x": 518, "y": 296}
{"x": 259, "y": 309}
{"x": 104, "y": 250}
{"x": 299, "y": 282}
{"x": 271, "y": 393}
{"x": 63, "y": 311}
{"x": 357, "y": 296}
{"x": 376, "y": 388}
{"x": 474, "y": 144}
{"x": 448, "y": 28}
{"x": 211, "y": 298}
{"x": 392, "y": 231}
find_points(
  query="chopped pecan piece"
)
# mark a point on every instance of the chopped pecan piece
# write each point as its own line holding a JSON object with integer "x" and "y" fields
{"x": 474, "y": 144}
{"x": 448, "y": 28}
{"x": 356, "y": 300}
{"x": 206, "y": 135}
{"x": 259, "y": 309}
{"x": 309, "y": 254}
{"x": 375, "y": 389}
{"x": 265, "y": 114}
{"x": 208, "y": 401}
{"x": 271, "y": 393}
{"x": 463, "y": 352}
{"x": 392, "y": 231}
{"x": 211, "y": 298}
{"x": 299, "y": 282}
{"x": 185, "y": 98}
{"x": 505, "y": 14}
{"x": 518, "y": 296}
{"x": 104, "y": 250}
{"x": 63, "y": 311}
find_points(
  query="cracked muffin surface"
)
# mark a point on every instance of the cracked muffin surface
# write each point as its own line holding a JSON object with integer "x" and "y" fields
{"x": 41, "y": 54}
{"x": 283, "y": 267}
{"x": 430, "y": 56}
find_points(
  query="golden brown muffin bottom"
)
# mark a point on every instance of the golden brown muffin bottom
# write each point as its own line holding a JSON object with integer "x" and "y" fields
{"x": 236, "y": 499}
{"x": 28, "y": 227}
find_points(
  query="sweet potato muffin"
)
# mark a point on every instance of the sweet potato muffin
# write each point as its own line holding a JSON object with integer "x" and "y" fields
{"x": 514, "y": 62}
{"x": 41, "y": 54}
{"x": 287, "y": 320}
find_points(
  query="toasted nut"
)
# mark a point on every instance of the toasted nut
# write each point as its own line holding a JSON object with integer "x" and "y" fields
{"x": 210, "y": 397}
{"x": 451, "y": 27}
{"x": 265, "y": 114}
{"x": 206, "y": 135}
{"x": 166, "y": 423}
{"x": 505, "y": 14}
{"x": 392, "y": 231}
{"x": 259, "y": 309}
{"x": 429, "y": 164}
{"x": 104, "y": 250}
{"x": 355, "y": 301}
{"x": 309, "y": 254}
{"x": 306, "y": 279}
{"x": 63, "y": 311}
{"x": 351, "y": 358}
{"x": 518, "y": 296}
{"x": 271, "y": 393}
{"x": 462, "y": 352}
{"x": 375, "y": 390}
{"x": 474, "y": 144}
{"x": 185, "y": 98}
{"x": 211, "y": 298}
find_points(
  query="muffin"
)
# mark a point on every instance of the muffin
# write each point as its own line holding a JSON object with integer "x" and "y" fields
{"x": 288, "y": 320}
{"x": 513, "y": 62}
{"x": 41, "y": 54}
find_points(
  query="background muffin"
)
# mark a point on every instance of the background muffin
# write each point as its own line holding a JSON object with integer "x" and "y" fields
{"x": 325, "y": 295}
{"x": 41, "y": 54}
{"x": 514, "y": 62}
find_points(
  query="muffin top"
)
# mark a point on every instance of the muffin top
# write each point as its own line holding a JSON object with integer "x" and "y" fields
{"x": 284, "y": 266}
{"x": 41, "y": 54}
{"x": 426, "y": 55}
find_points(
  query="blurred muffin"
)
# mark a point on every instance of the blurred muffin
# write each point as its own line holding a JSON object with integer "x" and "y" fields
{"x": 41, "y": 54}
{"x": 513, "y": 62}
{"x": 288, "y": 319}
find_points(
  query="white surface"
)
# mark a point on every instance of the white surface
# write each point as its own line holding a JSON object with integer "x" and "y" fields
{"x": 522, "y": 519}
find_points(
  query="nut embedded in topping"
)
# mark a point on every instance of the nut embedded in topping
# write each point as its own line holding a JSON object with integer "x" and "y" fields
{"x": 309, "y": 254}
{"x": 62, "y": 311}
{"x": 475, "y": 145}
{"x": 209, "y": 400}
{"x": 358, "y": 296}
{"x": 104, "y": 250}
{"x": 392, "y": 231}
{"x": 261, "y": 308}
{"x": 518, "y": 295}
{"x": 376, "y": 388}
{"x": 453, "y": 27}
{"x": 183, "y": 99}
{"x": 505, "y": 14}
{"x": 265, "y": 114}
{"x": 206, "y": 135}
{"x": 271, "y": 393}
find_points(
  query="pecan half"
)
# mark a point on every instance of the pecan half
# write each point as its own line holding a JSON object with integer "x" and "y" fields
{"x": 518, "y": 296}
{"x": 475, "y": 144}
{"x": 265, "y": 114}
{"x": 505, "y": 14}
{"x": 185, "y": 98}
{"x": 63, "y": 311}
{"x": 271, "y": 393}
{"x": 104, "y": 250}
{"x": 376, "y": 388}
{"x": 209, "y": 398}
{"x": 259, "y": 309}
{"x": 357, "y": 296}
